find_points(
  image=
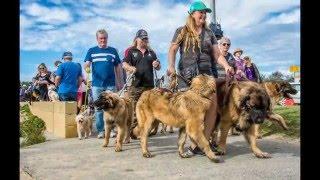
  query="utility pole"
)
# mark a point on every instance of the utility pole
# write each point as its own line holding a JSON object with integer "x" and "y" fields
{"x": 213, "y": 25}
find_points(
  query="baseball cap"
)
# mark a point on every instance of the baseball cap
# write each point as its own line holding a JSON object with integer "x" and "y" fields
{"x": 67, "y": 54}
{"x": 198, "y": 6}
{"x": 142, "y": 34}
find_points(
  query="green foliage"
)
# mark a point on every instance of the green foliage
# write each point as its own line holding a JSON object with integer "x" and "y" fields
{"x": 32, "y": 128}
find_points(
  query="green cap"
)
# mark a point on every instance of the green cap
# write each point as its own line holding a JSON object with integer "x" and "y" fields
{"x": 198, "y": 6}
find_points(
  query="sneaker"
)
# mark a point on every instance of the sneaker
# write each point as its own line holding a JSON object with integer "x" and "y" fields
{"x": 113, "y": 133}
{"x": 214, "y": 147}
{"x": 196, "y": 150}
{"x": 100, "y": 135}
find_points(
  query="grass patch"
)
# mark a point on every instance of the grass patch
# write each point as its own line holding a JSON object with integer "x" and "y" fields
{"x": 291, "y": 115}
{"x": 31, "y": 128}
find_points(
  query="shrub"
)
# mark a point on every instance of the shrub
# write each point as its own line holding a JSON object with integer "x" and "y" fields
{"x": 32, "y": 128}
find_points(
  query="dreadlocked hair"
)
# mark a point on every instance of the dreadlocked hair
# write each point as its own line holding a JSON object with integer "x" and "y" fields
{"x": 189, "y": 36}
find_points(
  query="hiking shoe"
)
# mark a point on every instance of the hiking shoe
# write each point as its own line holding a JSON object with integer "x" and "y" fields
{"x": 196, "y": 151}
{"x": 100, "y": 135}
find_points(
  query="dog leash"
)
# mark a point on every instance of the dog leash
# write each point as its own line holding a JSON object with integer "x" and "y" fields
{"x": 87, "y": 87}
{"x": 126, "y": 84}
{"x": 155, "y": 77}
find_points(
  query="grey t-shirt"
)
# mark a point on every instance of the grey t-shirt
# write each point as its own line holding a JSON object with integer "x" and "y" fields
{"x": 188, "y": 58}
{"x": 231, "y": 61}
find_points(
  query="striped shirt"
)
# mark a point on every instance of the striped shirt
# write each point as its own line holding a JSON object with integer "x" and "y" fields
{"x": 103, "y": 62}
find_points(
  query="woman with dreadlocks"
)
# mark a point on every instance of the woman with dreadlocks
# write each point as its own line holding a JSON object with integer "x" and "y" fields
{"x": 198, "y": 47}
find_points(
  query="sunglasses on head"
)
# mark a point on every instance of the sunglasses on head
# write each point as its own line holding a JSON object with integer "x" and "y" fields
{"x": 226, "y": 44}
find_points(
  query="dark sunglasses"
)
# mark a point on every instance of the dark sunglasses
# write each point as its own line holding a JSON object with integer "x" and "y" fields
{"x": 225, "y": 44}
{"x": 145, "y": 39}
{"x": 41, "y": 68}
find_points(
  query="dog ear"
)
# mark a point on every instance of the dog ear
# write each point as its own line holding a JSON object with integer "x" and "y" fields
{"x": 278, "y": 119}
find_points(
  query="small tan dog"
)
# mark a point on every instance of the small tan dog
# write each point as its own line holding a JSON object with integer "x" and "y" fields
{"x": 53, "y": 95}
{"x": 84, "y": 123}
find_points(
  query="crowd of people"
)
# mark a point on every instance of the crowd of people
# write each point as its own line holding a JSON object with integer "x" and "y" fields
{"x": 200, "y": 52}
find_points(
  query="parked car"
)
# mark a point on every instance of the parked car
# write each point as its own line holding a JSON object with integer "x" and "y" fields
{"x": 296, "y": 97}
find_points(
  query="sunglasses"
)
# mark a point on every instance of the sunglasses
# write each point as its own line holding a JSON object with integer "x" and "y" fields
{"x": 226, "y": 44}
{"x": 145, "y": 39}
{"x": 41, "y": 68}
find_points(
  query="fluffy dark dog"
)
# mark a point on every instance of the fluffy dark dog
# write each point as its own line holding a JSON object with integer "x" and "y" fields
{"x": 119, "y": 111}
{"x": 246, "y": 105}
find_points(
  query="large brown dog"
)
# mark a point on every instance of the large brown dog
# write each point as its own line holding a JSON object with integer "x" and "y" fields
{"x": 246, "y": 105}
{"x": 185, "y": 110}
{"x": 118, "y": 111}
{"x": 278, "y": 89}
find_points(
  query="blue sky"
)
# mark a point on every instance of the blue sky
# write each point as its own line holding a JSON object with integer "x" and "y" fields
{"x": 268, "y": 31}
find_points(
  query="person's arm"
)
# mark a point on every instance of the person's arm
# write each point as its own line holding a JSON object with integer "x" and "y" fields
{"x": 87, "y": 60}
{"x": 57, "y": 81}
{"x": 156, "y": 63}
{"x": 80, "y": 79}
{"x": 172, "y": 58}
{"x": 127, "y": 62}
{"x": 220, "y": 59}
{"x": 59, "y": 74}
{"x": 128, "y": 68}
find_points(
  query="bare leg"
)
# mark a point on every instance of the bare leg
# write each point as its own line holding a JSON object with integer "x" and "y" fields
{"x": 198, "y": 136}
{"x": 210, "y": 118}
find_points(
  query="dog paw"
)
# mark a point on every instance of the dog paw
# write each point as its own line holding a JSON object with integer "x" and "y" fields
{"x": 264, "y": 155}
{"x": 147, "y": 155}
{"x": 105, "y": 145}
{"x": 162, "y": 132}
{"x": 86, "y": 137}
{"x": 186, "y": 154}
{"x": 220, "y": 151}
{"x": 80, "y": 138}
{"x": 117, "y": 149}
{"x": 215, "y": 159}
{"x": 171, "y": 131}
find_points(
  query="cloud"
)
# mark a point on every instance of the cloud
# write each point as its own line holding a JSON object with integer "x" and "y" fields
{"x": 47, "y": 15}
{"x": 286, "y": 18}
{"x": 268, "y": 31}
{"x": 121, "y": 24}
